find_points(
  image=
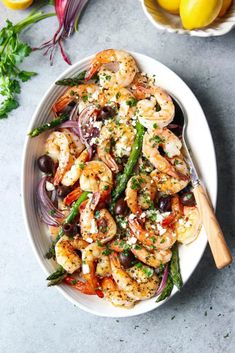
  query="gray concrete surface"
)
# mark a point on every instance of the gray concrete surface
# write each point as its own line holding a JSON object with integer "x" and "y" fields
{"x": 34, "y": 319}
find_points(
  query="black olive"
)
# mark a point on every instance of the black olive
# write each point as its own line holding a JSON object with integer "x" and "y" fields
{"x": 176, "y": 129}
{"x": 188, "y": 199}
{"x": 187, "y": 188}
{"x": 106, "y": 112}
{"x": 120, "y": 208}
{"x": 164, "y": 203}
{"x": 78, "y": 252}
{"x": 70, "y": 229}
{"x": 62, "y": 190}
{"x": 46, "y": 164}
{"x": 127, "y": 259}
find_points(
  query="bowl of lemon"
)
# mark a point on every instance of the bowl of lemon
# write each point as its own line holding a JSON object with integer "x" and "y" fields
{"x": 202, "y": 18}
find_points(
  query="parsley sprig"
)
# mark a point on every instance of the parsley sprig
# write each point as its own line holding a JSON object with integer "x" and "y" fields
{"x": 12, "y": 52}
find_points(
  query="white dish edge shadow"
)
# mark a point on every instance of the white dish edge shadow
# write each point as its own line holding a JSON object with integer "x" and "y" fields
{"x": 187, "y": 99}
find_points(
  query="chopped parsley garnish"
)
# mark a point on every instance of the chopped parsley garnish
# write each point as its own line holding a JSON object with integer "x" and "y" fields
{"x": 99, "y": 243}
{"x": 156, "y": 139}
{"x": 85, "y": 98}
{"x": 74, "y": 282}
{"x": 97, "y": 214}
{"x": 52, "y": 212}
{"x": 137, "y": 247}
{"x": 139, "y": 265}
{"x": 136, "y": 182}
{"x": 132, "y": 102}
{"x": 81, "y": 165}
{"x": 148, "y": 271}
{"x": 107, "y": 251}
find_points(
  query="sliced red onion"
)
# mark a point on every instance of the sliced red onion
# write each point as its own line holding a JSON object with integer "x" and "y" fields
{"x": 47, "y": 218}
{"x": 74, "y": 113}
{"x": 86, "y": 120}
{"x": 72, "y": 14}
{"x": 48, "y": 212}
{"x": 68, "y": 12}
{"x": 71, "y": 124}
{"x": 163, "y": 281}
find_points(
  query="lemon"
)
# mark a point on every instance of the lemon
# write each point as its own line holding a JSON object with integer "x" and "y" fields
{"x": 170, "y": 5}
{"x": 17, "y": 4}
{"x": 199, "y": 13}
{"x": 225, "y": 7}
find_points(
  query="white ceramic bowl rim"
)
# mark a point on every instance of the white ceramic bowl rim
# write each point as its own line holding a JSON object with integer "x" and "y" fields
{"x": 75, "y": 67}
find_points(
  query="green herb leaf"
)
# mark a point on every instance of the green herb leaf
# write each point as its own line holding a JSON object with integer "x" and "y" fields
{"x": 12, "y": 53}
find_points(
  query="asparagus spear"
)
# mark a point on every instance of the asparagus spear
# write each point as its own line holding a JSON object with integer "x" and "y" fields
{"x": 135, "y": 152}
{"x": 72, "y": 81}
{"x": 57, "y": 276}
{"x": 175, "y": 267}
{"x": 48, "y": 126}
{"x": 51, "y": 252}
{"x": 167, "y": 290}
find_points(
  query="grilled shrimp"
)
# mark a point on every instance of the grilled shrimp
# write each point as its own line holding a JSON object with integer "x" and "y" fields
{"x": 156, "y": 107}
{"x": 116, "y": 296}
{"x": 118, "y": 137}
{"x": 84, "y": 94}
{"x": 125, "y": 102}
{"x": 140, "y": 192}
{"x": 66, "y": 256}
{"x": 188, "y": 225}
{"x": 168, "y": 184}
{"x": 103, "y": 268}
{"x": 58, "y": 148}
{"x": 89, "y": 257}
{"x": 72, "y": 175}
{"x": 76, "y": 146}
{"x": 114, "y": 67}
{"x": 152, "y": 238}
{"x": 153, "y": 258}
{"x": 171, "y": 145}
{"x": 96, "y": 177}
{"x": 101, "y": 227}
{"x": 135, "y": 283}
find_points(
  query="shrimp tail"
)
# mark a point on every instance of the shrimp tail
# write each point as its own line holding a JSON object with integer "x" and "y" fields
{"x": 91, "y": 71}
{"x": 111, "y": 163}
{"x": 83, "y": 287}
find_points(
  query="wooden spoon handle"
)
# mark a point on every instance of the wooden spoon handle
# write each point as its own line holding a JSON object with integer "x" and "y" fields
{"x": 219, "y": 248}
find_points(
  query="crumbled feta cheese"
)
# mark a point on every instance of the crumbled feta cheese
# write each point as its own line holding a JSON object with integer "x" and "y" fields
{"x": 94, "y": 141}
{"x": 132, "y": 216}
{"x": 89, "y": 240}
{"x": 161, "y": 229}
{"x": 188, "y": 224}
{"x": 97, "y": 124}
{"x": 94, "y": 228}
{"x": 85, "y": 269}
{"x": 173, "y": 148}
{"x": 49, "y": 186}
{"x": 131, "y": 241}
